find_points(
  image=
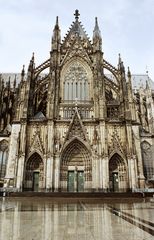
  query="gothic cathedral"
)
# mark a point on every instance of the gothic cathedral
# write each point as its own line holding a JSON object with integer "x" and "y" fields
{"x": 75, "y": 123}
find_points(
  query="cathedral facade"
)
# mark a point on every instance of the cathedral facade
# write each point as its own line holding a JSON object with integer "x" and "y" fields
{"x": 75, "y": 123}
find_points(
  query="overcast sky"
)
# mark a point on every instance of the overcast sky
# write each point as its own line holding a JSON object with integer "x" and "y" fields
{"x": 127, "y": 27}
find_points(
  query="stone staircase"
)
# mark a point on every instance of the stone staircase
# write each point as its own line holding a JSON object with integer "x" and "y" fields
{"x": 75, "y": 195}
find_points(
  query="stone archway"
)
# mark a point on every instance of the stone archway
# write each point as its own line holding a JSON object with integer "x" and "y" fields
{"x": 147, "y": 160}
{"x": 117, "y": 174}
{"x": 3, "y": 160}
{"x": 76, "y": 168}
{"x": 34, "y": 173}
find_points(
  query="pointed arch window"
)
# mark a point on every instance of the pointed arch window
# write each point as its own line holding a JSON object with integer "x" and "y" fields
{"x": 76, "y": 84}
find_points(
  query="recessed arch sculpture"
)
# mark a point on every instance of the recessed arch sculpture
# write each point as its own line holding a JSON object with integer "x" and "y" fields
{"x": 76, "y": 160}
{"x": 118, "y": 175}
{"x": 34, "y": 172}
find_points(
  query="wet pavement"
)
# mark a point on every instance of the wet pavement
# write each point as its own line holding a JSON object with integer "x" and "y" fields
{"x": 46, "y": 219}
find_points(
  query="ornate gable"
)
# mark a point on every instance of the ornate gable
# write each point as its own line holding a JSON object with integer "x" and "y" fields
{"x": 76, "y": 48}
{"x": 76, "y": 30}
{"x": 76, "y": 42}
{"x": 36, "y": 143}
{"x": 76, "y": 128}
{"x": 116, "y": 145}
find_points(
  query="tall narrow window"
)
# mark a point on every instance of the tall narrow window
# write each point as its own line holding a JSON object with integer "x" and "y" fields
{"x": 76, "y": 79}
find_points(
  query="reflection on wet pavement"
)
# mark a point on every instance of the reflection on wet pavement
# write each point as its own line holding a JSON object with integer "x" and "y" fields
{"x": 43, "y": 219}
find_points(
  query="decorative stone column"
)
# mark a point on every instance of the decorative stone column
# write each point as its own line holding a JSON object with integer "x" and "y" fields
{"x": 21, "y": 156}
{"x": 132, "y": 170}
{"x": 12, "y": 157}
{"x": 97, "y": 173}
{"x": 104, "y": 163}
{"x": 56, "y": 173}
{"x": 100, "y": 173}
{"x": 49, "y": 173}
{"x": 141, "y": 177}
{"x": 93, "y": 172}
{"x": 132, "y": 173}
{"x": 20, "y": 172}
{"x": 105, "y": 172}
{"x": 49, "y": 163}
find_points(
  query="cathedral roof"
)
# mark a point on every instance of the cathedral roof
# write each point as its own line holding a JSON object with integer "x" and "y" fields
{"x": 138, "y": 80}
{"x": 77, "y": 28}
{"x": 11, "y": 76}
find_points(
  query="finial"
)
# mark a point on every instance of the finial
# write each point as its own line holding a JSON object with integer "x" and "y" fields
{"x": 96, "y": 29}
{"x": 57, "y": 20}
{"x": 96, "y": 22}
{"x": 147, "y": 85}
{"x": 2, "y": 83}
{"x": 8, "y": 83}
{"x": 33, "y": 56}
{"x": 76, "y": 14}
{"x": 119, "y": 58}
{"x": 23, "y": 71}
{"x": 129, "y": 73}
{"x": 31, "y": 63}
{"x": 57, "y": 23}
{"x": 15, "y": 81}
{"x": 128, "y": 69}
{"x": 147, "y": 72}
{"x": 97, "y": 33}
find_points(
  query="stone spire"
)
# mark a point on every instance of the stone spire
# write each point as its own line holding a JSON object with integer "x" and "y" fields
{"x": 121, "y": 66}
{"x": 23, "y": 73}
{"x": 31, "y": 64}
{"x": 129, "y": 76}
{"x": 56, "y": 37}
{"x": 147, "y": 84}
{"x": 97, "y": 38}
{"x": 119, "y": 61}
{"x": 15, "y": 82}
{"x": 96, "y": 32}
{"x": 128, "y": 73}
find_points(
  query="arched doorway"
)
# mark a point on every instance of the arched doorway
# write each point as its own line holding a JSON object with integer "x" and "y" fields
{"x": 3, "y": 160}
{"x": 117, "y": 174}
{"x": 147, "y": 160}
{"x": 34, "y": 173}
{"x": 76, "y": 168}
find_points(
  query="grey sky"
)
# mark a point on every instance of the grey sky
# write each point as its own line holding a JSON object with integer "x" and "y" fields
{"x": 127, "y": 27}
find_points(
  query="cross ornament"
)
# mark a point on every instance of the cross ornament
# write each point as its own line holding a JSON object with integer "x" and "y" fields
{"x": 76, "y": 14}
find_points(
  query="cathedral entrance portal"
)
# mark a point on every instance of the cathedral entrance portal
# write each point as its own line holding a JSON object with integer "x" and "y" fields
{"x": 35, "y": 181}
{"x": 76, "y": 169}
{"x": 34, "y": 173}
{"x": 117, "y": 174}
{"x": 115, "y": 185}
{"x": 75, "y": 181}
